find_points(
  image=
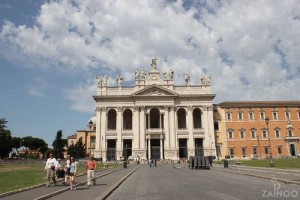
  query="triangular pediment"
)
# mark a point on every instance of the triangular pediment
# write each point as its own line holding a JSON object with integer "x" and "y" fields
{"x": 154, "y": 90}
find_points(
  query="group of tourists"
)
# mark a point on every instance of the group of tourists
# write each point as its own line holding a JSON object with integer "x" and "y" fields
{"x": 55, "y": 169}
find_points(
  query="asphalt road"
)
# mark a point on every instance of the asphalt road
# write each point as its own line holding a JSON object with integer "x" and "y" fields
{"x": 166, "y": 182}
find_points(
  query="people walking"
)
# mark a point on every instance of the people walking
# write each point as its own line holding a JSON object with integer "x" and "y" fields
{"x": 67, "y": 170}
{"x": 90, "y": 168}
{"x": 59, "y": 170}
{"x": 73, "y": 168}
{"x": 50, "y": 166}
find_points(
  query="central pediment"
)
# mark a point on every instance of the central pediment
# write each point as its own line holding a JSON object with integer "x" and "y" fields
{"x": 154, "y": 90}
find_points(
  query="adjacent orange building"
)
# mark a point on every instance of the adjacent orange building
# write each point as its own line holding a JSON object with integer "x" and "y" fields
{"x": 243, "y": 130}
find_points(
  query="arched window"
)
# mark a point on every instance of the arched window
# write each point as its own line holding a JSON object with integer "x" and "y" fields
{"x": 181, "y": 118}
{"x": 197, "y": 118}
{"x": 154, "y": 118}
{"x": 127, "y": 119}
{"x": 111, "y": 119}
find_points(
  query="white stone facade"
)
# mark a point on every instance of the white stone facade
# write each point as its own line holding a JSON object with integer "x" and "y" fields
{"x": 154, "y": 118}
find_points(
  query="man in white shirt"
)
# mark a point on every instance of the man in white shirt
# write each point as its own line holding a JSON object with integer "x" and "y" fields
{"x": 51, "y": 164}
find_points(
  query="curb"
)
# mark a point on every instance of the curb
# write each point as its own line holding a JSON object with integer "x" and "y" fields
{"x": 37, "y": 186}
{"x": 263, "y": 177}
{"x": 68, "y": 188}
{"x": 116, "y": 185}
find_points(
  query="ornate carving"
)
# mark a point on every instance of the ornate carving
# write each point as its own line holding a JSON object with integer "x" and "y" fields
{"x": 165, "y": 75}
{"x": 135, "y": 108}
{"x": 119, "y": 80}
{"x": 104, "y": 109}
{"x": 153, "y": 64}
{"x": 172, "y": 108}
{"x": 143, "y": 76}
{"x": 190, "y": 108}
{"x": 98, "y": 109}
{"x": 102, "y": 81}
{"x": 142, "y": 108}
{"x": 155, "y": 92}
{"x": 171, "y": 75}
{"x": 187, "y": 79}
{"x": 205, "y": 80}
{"x": 137, "y": 74}
{"x": 166, "y": 108}
{"x": 119, "y": 109}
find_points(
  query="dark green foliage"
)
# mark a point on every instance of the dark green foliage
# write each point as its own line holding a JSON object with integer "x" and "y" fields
{"x": 77, "y": 150}
{"x": 5, "y": 143}
{"x": 58, "y": 145}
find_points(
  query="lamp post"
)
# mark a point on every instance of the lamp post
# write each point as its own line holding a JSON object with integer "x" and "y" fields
{"x": 270, "y": 149}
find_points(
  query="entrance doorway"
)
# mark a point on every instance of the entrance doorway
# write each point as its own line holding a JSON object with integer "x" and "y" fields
{"x": 155, "y": 149}
{"x": 127, "y": 148}
{"x": 199, "y": 150}
{"x": 292, "y": 150}
{"x": 111, "y": 150}
{"x": 182, "y": 148}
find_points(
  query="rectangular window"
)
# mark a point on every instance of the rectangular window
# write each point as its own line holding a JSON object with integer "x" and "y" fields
{"x": 242, "y": 134}
{"x": 253, "y": 134}
{"x": 275, "y": 116}
{"x": 279, "y": 149}
{"x": 244, "y": 152}
{"x": 290, "y": 132}
{"x": 231, "y": 152}
{"x": 298, "y": 114}
{"x": 262, "y": 116}
{"x": 230, "y": 134}
{"x": 287, "y": 114}
{"x": 266, "y": 150}
{"x": 216, "y": 125}
{"x": 218, "y": 150}
{"x": 254, "y": 150}
{"x": 277, "y": 133}
{"x": 264, "y": 133}
{"x": 228, "y": 116}
{"x": 240, "y": 116}
{"x": 251, "y": 116}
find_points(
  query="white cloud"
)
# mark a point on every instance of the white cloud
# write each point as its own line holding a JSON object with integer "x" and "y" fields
{"x": 250, "y": 48}
{"x": 38, "y": 87}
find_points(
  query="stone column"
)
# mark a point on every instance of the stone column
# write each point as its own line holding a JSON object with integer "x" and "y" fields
{"x": 167, "y": 130}
{"x": 119, "y": 131}
{"x": 149, "y": 147}
{"x": 103, "y": 133}
{"x": 161, "y": 146}
{"x": 190, "y": 128}
{"x": 142, "y": 128}
{"x": 136, "y": 128}
{"x": 98, "y": 132}
{"x": 172, "y": 128}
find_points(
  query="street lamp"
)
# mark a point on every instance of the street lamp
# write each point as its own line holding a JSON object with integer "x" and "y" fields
{"x": 270, "y": 149}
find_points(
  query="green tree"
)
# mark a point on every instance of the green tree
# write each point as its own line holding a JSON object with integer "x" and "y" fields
{"x": 3, "y": 122}
{"x": 77, "y": 150}
{"x": 5, "y": 143}
{"x": 5, "y": 139}
{"x": 80, "y": 153}
{"x": 58, "y": 144}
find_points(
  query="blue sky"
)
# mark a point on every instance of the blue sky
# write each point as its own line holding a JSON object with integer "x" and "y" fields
{"x": 51, "y": 52}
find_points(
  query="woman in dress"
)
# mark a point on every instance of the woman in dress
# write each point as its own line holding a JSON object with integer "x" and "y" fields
{"x": 73, "y": 168}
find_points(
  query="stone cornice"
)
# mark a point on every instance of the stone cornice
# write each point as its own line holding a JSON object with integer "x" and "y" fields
{"x": 259, "y": 104}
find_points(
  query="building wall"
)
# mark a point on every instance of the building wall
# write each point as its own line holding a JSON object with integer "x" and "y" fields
{"x": 258, "y": 123}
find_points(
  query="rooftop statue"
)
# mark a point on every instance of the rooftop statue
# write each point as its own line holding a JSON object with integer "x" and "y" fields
{"x": 119, "y": 80}
{"x": 205, "y": 80}
{"x": 137, "y": 74}
{"x": 153, "y": 64}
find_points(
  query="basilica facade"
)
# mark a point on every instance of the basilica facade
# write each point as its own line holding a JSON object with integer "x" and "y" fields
{"x": 153, "y": 119}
